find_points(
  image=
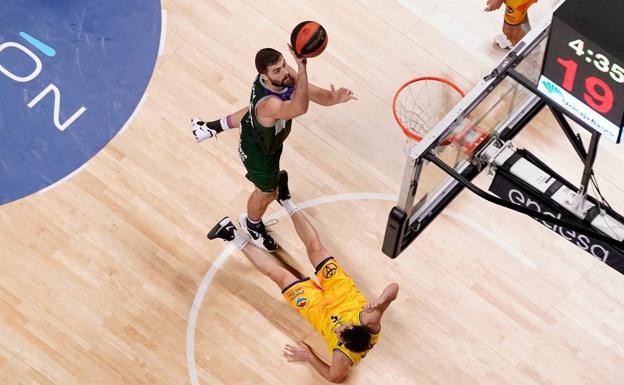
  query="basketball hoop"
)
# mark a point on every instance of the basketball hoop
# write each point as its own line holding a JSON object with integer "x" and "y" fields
{"x": 421, "y": 103}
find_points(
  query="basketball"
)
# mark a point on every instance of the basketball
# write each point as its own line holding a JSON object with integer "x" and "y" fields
{"x": 308, "y": 39}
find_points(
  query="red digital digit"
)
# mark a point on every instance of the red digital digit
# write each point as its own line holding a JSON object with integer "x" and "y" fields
{"x": 599, "y": 95}
{"x": 570, "y": 73}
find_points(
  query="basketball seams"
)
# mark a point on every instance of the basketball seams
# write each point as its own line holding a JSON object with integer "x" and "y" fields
{"x": 309, "y": 39}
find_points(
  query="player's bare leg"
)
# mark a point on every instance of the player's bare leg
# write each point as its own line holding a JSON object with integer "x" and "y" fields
{"x": 307, "y": 233}
{"x": 258, "y": 202}
{"x": 251, "y": 223}
{"x": 310, "y": 238}
{"x": 261, "y": 260}
{"x": 515, "y": 33}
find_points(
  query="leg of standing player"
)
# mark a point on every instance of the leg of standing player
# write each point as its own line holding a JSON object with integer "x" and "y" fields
{"x": 262, "y": 171}
{"x": 257, "y": 204}
{"x": 515, "y": 33}
{"x": 251, "y": 223}
{"x": 515, "y": 22}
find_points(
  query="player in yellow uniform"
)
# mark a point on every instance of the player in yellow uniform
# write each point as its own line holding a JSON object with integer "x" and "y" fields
{"x": 335, "y": 307}
{"x": 516, "y": 21}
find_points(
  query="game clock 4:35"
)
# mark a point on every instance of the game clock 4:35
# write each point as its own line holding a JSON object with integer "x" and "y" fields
{"x": 592, "y": 79}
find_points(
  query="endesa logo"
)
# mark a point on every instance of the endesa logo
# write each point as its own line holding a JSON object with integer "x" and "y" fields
{"x": 580, "y": 240}
{"x": 71, "y": 75}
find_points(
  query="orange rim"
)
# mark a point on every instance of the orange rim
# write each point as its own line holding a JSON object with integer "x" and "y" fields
{"x": 409, "y": 133}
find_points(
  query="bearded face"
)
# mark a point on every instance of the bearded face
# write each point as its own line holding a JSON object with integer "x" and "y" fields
{"x": 278, "y": 75}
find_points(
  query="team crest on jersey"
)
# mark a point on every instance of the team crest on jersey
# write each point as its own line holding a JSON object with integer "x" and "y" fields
{"x": 329, "y": 270}
{"x": 301, "y": 302}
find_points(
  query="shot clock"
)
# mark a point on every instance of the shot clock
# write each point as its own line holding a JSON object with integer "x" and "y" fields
{"x": 583, "y": 69}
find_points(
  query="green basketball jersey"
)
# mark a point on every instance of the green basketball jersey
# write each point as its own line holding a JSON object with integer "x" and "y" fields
{"x": 254, "y": 136}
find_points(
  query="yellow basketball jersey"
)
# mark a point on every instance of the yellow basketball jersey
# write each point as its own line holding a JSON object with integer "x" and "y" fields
{"x": 337, "y": 301}
{"x": 516, "y": 11}
{"x": 349, "y": 314}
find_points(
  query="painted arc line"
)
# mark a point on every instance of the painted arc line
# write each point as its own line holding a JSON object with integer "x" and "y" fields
{"x": 41, "y": 46}
{"x": 484, "y": 230}
{"x": 76, "y": 171}
{"x": 199, "y": 297}
{"x": 163, "y": 32}
{"x": 230, "y": 248}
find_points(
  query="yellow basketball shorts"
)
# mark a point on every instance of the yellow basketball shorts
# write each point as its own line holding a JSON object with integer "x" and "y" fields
{"x": 516, "y": 11}
{"x": 309, "y": 298}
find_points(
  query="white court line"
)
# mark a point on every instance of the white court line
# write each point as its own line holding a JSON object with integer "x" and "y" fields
{"x": 76, "y": 171}
{"x": 65, "y": 178}
{"x": 163, "y": 32}
{"x": 134, "y": 114}
{"x": 230, "y": 248}
{"x": 199, "y": 297}
{"x": 484, "y": 231}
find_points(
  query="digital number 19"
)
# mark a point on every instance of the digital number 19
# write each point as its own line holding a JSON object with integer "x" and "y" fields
{"x": 598, "y": 95}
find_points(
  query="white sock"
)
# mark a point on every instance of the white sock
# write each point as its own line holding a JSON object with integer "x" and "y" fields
{"x": 290, "y": 206}
{"x": 238, "y": 240}
{"x": 254, "y": 222}
{"x": 526, "y": 26}
{"x": 224, "y": 124}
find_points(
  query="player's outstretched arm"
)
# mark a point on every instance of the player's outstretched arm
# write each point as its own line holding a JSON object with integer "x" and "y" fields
{"x": 323, "y": 96}
{"x": 373, "y": 311}
{"x": 330, "y": 97}
{"x": 336, "y": 372}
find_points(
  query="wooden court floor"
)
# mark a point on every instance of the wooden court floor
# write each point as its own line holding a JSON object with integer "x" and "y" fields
{"x": 100, "y": 274}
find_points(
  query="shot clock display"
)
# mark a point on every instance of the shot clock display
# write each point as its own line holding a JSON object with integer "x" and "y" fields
{"x": 583, "y": 68}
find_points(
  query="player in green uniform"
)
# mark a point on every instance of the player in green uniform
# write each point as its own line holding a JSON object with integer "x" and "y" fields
{"x": 278, "y": 94}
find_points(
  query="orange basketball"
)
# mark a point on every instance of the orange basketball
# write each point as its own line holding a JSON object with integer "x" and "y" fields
{"x": 308, "y": 39}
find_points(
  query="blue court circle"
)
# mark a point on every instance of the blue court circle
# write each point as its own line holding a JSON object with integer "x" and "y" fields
{"x": 71, "y": 75}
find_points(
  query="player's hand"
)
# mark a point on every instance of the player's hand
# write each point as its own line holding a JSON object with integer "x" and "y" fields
{"x": 341, "y": 94}
{"x": 492, "y": 5}
{"x": 299, "y": 352}
{"x": 301, "y": 61}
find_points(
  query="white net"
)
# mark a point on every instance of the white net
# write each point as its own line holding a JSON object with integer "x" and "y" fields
{"x": 421, "y": 103}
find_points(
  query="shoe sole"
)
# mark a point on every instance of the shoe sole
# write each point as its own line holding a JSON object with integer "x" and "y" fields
{"x": 212, "y": 234}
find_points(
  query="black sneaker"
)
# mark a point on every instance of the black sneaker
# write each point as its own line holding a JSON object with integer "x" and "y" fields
{"x": 282, "y": 187}
{"x": 224, "y": 230}
{"x": 258, "y": 234}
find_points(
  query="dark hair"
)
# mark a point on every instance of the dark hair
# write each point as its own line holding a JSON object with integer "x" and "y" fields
{"x": 266, "y": 57}
{"x": 357, "y": 338}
